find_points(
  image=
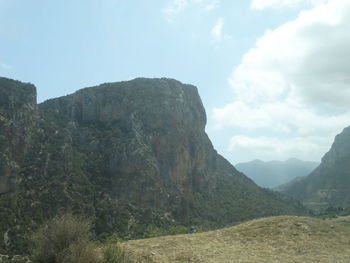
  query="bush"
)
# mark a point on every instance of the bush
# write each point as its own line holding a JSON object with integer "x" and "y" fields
{"x": 115, "y": 254}
{"x": 64, "y": 239}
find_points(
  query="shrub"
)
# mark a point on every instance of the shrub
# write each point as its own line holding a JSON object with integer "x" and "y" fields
{"x": 115, "y": 254}
{"x": 14, "y": 259}
{"x": 64, "y": 239}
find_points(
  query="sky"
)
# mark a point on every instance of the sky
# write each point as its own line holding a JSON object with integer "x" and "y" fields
{"x": 274, "y": 75}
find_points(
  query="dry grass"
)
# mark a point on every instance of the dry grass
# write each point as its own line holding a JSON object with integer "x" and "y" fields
{"x": 283, "y": 239}
{"x": 343, "y": 220}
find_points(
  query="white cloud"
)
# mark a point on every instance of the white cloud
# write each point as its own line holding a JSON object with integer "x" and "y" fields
{"x": 176, "y": 7}
{"x": 262, "y": 4}
{"x": 216, "y": 31}
{"x": 308, "y": 56}
{"x": 295, "y": 83}
{"x": 3, "y": 65}
{"x": 288, "y": 117}
{"x": 212, "y": 5}
{"x": 267, "y": 148}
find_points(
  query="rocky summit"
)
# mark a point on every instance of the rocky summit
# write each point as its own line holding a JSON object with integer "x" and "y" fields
{"x": 329, "y": 184}
{"x": 132, "y": 155}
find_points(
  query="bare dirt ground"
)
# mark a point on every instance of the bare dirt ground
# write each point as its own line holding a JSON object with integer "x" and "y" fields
{"x": 283, "y": 239}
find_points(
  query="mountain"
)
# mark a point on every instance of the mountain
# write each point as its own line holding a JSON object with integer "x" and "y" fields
{"x": 329, "y": 183}
{"x": 282, "y": 187}
{"x": 132, "y": 155}
{"x": 275, "y": 173}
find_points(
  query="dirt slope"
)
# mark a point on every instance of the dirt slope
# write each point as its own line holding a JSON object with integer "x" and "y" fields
{"x": 276, "y": 239}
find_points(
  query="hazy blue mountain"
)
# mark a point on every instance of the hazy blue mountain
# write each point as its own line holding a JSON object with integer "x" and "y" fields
{"x": 274, "y": 173}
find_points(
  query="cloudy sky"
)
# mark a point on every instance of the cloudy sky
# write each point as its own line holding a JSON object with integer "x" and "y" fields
{"x": 274, "y": 75}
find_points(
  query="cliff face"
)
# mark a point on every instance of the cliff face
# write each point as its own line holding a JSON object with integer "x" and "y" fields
{"x": 18, "y": 114}
{"x": 329, "y": 183}
{"x": 135, "y": 156}
{"x": 150, "y": 134}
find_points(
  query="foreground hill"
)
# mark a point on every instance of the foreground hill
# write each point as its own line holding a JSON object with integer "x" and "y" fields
{"x": 329, "y": 183}
{"x": 133, "y": 155}
{"x": 274, "y": 173}
{"x": 269, "y": 240}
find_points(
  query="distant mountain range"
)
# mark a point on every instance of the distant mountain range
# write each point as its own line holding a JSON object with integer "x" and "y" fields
{"x": 275, "y": 173}
{"x": 329, "y": 184}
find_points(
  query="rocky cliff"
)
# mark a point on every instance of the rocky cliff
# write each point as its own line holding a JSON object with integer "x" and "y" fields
{"x": 329, "y": 184}
{"x": 18, "y": 114}
{"x": 133, "y": 155}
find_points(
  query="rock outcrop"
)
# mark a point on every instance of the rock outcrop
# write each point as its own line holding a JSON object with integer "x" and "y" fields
{"x": 133, "y": 155}
{"x": 329, "y": 184}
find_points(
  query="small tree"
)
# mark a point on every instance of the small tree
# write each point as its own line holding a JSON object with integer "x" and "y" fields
{"x": 64, "y": 239}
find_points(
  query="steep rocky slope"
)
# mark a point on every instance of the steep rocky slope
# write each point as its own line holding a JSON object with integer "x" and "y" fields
{"x": 133, "y": 155}
{"x": 329, "y": 183}
{"x": 274, "y": 173}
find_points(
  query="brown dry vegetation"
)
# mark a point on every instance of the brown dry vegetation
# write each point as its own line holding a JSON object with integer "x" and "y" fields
{"x": 283, "y": 239}
{"x": 343, "y": 220}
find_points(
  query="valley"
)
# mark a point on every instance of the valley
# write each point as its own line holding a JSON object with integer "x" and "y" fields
{"x": 176, "y": 131}
{"x": 134, "y": 157}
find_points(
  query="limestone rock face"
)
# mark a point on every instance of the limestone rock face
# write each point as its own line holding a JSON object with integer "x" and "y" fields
{"x": 150, "y": 133}
{"x": 329, "y": 183}
{"x": 133, "y": 155}
{"x": 18, "y": 113}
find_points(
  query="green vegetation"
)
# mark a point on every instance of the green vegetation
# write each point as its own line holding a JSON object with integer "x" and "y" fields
{"x": 115, "y": 253}
{"x": 14, "y": 259}
{"x": 68, "y": 239}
